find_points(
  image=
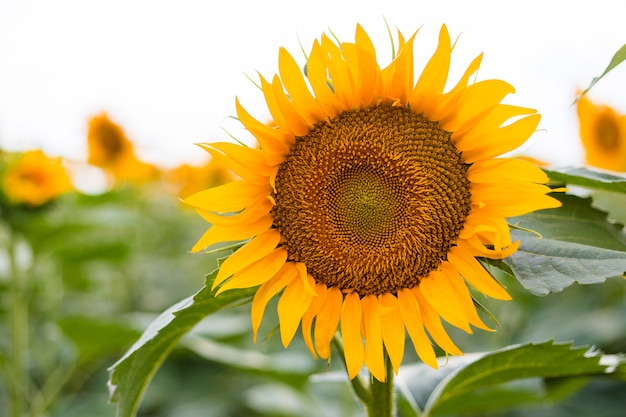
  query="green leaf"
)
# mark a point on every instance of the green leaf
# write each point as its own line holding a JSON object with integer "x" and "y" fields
{"x": 588, "y": 178}
{"x": 617, "y": 59}
{"x": 578, "y": 244}
{"x": 476, "y": 373}
{"x": 130, "y": 376}
{"x": 613, "y": 203}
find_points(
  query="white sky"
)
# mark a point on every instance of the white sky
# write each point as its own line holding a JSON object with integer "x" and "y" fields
{"x": 169, "y": 71}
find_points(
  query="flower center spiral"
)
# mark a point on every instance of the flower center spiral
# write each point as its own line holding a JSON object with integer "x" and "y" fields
{"x": 372, "y": 200}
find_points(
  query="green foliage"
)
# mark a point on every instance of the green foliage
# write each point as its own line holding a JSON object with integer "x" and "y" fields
{"x": 588, "y": 178}
{"x": 576, "y": 242}
{"x": 77, "y": 276}
{"x": 131, "y": 375}
{"x": 500, "y": 379}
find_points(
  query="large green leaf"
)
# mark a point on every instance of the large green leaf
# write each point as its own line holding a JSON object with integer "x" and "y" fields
{"x": 577, "y": 244}
{"x": 488, "y": 377}
{"x": 130, "y": 376}
{"x": 589, "y": 178}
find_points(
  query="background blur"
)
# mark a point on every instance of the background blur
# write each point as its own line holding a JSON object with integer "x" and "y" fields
{"x": 169, "y": 71}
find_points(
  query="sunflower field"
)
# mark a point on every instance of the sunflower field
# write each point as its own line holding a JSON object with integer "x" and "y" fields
{"x": 383, "y": 249}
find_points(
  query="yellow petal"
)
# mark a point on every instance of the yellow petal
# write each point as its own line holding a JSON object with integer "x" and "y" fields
{"x": 432, "y": 322}
{"x": 433, "y": 78}
{"x": 393, "y": 330}
{"x": 309, "y": 315}
{"x": 459, "y": 288}
{"x": 452, "y": 303}
{"x": 366, "y": 73}
{"x": 259, "y": 208}
{"x": 488, "y": 121}
{"x": 397, "y": 77}
{"x": 291, "y": 307}
{"x": 295, "y": 123}
{"x": 351, "y": 314}
{"x": 318, "y": 78}
{"x": 476, "y": 243}
{"x": 475, "y": 274}
{"x": 410, "y": 311}
{"x": 327, "y": 321}
{"x": 228, "y": 198}
{"x": 477, "y": 99}
{"x": 217, "y": 233}
{"x": 505, "y": 169}
{"x": 257, "y": 273}
{"x": 249, "y": 158}
{"x": 448, "y": 103}
{"x": 374, "y": 357}
{"x": 307, "y": 281}
{"x": 489, "y": 226}
{"x": 291, "y": 75}
{"x": 268, "y": 290}
{"x": 274, "y": 143}
{"x": 370, "y": 80}
{"x": 504, "y": 139}
{"x": 339, "y": 73}
{"x": 514, "y": 200}
{"x": 256, "y": 249}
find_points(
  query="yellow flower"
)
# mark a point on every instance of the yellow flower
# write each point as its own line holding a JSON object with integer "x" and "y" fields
{"x": 34, "y": 179}
{"x": 369, "y": 201}
{"x": 603, "y": 134}
{"x": 189, "y": 179}
{"x": 111, "y": 150}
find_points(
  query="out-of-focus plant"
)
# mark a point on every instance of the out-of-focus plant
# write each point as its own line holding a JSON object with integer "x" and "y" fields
{"x": 188, "y": 179}
{"x": 110, "y": 149}
{"x": 603, "y": 134}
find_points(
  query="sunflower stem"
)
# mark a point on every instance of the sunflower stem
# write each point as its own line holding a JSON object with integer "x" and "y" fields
{"x": 358, "y": 385}
{"x": 382, "y": 402}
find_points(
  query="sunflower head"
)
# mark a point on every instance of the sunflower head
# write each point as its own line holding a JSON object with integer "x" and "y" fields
{"x": 111, "y": 150}
{"x": 603, "y": 134}
{"x": 33, "y": 179}
{"x": 369, "y": 198}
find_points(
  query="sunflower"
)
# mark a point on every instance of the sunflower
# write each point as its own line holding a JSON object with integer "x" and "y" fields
{"x": 188, "y": 179}
{"x": 369, "y": 199}
{"x": 603, "y": 134}
{"x": 111, "y": 150}
{"x": 33, "y": 179}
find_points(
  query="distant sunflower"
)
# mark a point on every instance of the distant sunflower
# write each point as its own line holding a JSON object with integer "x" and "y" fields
{"x": 111, "y": 150}
{"x": 34, "y": 179}
{"x": 603, "y": 134}
{"x": 370, "y": 197}
{"x": 188, "y": 179}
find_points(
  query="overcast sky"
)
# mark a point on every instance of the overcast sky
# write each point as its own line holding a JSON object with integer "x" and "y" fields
{"x": 169, "y": 71}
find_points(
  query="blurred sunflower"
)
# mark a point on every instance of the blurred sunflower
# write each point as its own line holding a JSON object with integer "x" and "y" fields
{"x": 111, "y": 150}
{"x": 33, "y": 179}
{"x": 603, "y": 134}
{"x": 370, "y": 197}
{"x": 188, "y": 179}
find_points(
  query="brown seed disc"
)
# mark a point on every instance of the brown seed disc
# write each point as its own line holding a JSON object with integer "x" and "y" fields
{"x": 372, "y": 200}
